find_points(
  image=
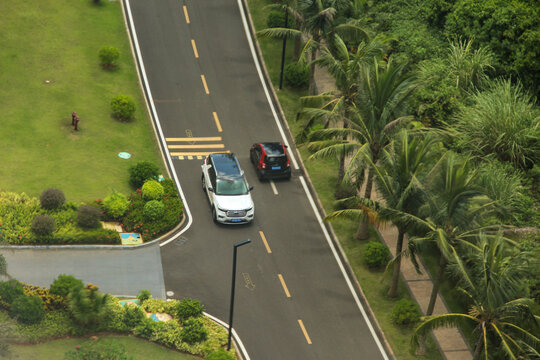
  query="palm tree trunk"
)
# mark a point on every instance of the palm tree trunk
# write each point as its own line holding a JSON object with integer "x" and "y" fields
{"x": 436, "y": 285}
{"x": 363, "y": 229}
{"x": 478, "y": 348}
{"x": 393, "y": 292}
{"x": 341, "y": 168}
{"x": 312, "y": 86}
{"x": 297, "y": 46}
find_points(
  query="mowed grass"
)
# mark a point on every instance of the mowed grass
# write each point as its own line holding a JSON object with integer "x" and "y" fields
{"x": 58, "y": 41}
{"x": 139, "y": 349}
{"x": 323, "y": 174}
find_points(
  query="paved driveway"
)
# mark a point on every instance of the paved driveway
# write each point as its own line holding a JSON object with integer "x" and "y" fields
{"x": 116, "y": 271}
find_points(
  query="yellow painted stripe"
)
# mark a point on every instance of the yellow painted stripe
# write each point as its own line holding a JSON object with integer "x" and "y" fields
{"x": 194, "y": 48}
{"x": 304, "y": 331}
{"x": 204, "y": 84}
{"x": 284, "y": 285}
{"x": 202, "y": 146}
{"x": 265, "y": 242}
{"x": 205, "y": 153}
{"x": 186, "y": 14}
{"x": 194, "y": 139}
{"x": 218, "y": 124}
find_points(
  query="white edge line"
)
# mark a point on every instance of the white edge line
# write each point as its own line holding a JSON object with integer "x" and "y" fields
{"x": 256, "y": 60}
{"x": 306, "y": 190}
{"x": 235, "y": 335}
{"x": 273, "y": 185}
{"x": 158, "y": 124}
{"x": 342, "y": 268}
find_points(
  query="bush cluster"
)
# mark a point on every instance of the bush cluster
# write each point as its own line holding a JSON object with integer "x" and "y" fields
{"x": 108, "y": 56}
{"x": 50, "y": 301}
{"x": 123, "y": 107}
{"x": 88, "y": 216}
{"x": 193, "y": 331}
{"x": 405, "y": 313}
{"x": 152, "y": 190}
{"x": 376, "y": 255}
{"x": 142, "y": 171}
{"x": 52, "y": 199}
{"x": 43, "y": 226}
{"x": 116, "y": 205}
{"x": 189, "y": 308}
{"x": 297, "y": 75}
{"x": 64, "y": 284}
{"x": 153, "y": 210}
{"x": 27, "y": 309}
{"x": 9, "y": 291}
{"x": 221, "y": 354}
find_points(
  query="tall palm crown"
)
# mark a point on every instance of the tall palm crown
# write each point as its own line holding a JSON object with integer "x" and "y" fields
{"x": 491, "y": 278}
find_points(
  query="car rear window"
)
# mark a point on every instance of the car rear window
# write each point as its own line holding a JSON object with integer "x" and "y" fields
{"x": 273, "y": 149}
{"x": 276, "y": 160}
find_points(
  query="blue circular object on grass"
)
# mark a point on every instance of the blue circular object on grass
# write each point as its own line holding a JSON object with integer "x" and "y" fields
{"x": 124, "y": 155}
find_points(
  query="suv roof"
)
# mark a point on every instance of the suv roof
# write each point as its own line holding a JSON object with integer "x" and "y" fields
{"x": 226, "y": 164}
{"x": 273, "y": 148}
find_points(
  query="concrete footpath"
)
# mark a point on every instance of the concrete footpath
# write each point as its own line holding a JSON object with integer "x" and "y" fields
{"x": 450, "y": 340}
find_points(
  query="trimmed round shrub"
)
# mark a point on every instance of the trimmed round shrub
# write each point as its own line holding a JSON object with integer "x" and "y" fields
{"x": 220, "y": 354}
{"x": 143, "y": 296}
{"x": 88, "y": 216}
{"x": 123, "y": 107}
{"x": 133, "y": 316}
{"x": 193, "y": 331}
{"x": 405, "y": 313}
{"x": 63, "y": 285}
{"x": 108, "y": 56}
{"x": 142, "y": 171}
{"x": 297, "y": 75}
{"x": 153, "y": 210}
{"x": 189, "y": 308}
{"x": 376, "y": 255}
{"x": 9, "y": 290}
{"x": 275, "y": 19}
{"x": 43, "y": 225}
{"x": 152, "y": 190}
{"x": 27, "y": 309}
{"x": 116, "y": 205}
{"x": 52, "y": 199}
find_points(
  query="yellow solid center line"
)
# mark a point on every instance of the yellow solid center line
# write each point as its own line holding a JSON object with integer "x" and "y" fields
{"x": 195, "y": 139}
{"x": 194, "y": 48}
{"x": 265, "y": 243}
{"x": 205, "y": 153}
{"x": 284, "y": 285}
{"x": 186, "y": 14}
{"x": 204, "y": 84}
{"x": 304, "y": 331}
{"x": 201, "y": 146}
{"x": 216, "y": 119}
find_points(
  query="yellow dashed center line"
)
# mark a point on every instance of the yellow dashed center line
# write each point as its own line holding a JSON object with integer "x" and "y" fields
{"x": 202, "y": 146}
{"x": 194, "y": 49}
{"x": 218, "y": 124}
{"x": 304, "y": 331}
{"x": 214, "y": 138}
{"x": 265, "y": 243}
{"x": 284, "y": 285}
{"x": 186, "y": 14}
{"x": 204, "y": 84}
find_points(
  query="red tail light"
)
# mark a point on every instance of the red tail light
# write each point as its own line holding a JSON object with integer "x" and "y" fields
{"x": 285, "y": 152}
{"x": 262, "y": 165}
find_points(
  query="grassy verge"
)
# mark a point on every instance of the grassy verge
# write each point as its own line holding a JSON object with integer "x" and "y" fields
{"x": 139, "y": 349}
{"x": 50, "y": 67}
{"x": 322, "y": 173}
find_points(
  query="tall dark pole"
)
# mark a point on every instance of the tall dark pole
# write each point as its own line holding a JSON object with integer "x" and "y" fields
{"x": 283, "y": 50}
{"x": 236, "y": 246}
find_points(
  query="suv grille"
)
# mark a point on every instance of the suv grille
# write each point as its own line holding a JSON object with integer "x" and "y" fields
{"x": 236, "y": 213}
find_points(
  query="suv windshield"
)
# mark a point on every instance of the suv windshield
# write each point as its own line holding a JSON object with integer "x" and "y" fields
{"x": 231, "y": 186}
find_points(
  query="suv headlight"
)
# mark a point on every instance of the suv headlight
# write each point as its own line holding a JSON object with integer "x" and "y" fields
{"x": 222, "y": 210}
{"x": 248, "y": 210}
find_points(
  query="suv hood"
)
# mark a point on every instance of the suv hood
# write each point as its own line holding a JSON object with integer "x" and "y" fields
{"x": 234, "y": 202}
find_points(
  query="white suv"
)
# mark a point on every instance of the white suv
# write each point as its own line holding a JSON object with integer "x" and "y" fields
{"x": 228, "y": 191}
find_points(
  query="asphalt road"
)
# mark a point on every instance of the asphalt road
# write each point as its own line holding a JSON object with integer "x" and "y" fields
{"x": 292, "y": 300}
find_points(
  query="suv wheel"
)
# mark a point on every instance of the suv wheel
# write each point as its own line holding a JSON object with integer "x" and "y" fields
{"x": 203, "y": 185}
{"x": 214, "y": 216}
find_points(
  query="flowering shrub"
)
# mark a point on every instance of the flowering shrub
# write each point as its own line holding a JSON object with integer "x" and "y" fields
{"x": 50, "y": 301}
{"x": 16, "y": 214}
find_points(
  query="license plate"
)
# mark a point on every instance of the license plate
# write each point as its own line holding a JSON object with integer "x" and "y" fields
{"x": 236, "y": 220}
{"x": 276, "y": 167}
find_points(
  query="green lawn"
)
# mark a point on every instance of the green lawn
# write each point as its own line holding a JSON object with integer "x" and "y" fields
{"x": 58, "y": 41}
{"x": 138, "y": 348}
{"x": 323, "y": 174}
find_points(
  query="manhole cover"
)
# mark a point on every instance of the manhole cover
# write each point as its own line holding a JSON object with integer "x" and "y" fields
{"x": 170, "y": 293}
{"x": 180, "y": 241}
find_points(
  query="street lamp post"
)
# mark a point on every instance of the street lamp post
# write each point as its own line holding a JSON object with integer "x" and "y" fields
{"x": 283, "y": 50}
{"x": 236, "y": 246}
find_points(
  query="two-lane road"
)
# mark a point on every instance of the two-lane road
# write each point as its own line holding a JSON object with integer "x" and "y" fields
{"x": 292, "y": 299}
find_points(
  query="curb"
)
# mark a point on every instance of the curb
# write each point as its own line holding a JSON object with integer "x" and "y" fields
{"x": 328, "y": 226}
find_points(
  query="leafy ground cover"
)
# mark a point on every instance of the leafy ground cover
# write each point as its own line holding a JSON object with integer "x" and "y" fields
{"x": 51, "y": 67}
{"x": 374, "y": 283}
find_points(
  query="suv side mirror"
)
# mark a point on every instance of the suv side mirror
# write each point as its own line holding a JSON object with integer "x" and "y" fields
{"x": 211, "y": 189}
{"x": 250, "y": 188}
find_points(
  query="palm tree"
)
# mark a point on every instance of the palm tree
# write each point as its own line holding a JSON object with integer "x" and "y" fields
{"x": 396, "y": 178}
{"x": 379, "y": 107}
{"x": 88, "y": 306}
{"x": 335, "y": 106}
{"x": 491, "y": 279}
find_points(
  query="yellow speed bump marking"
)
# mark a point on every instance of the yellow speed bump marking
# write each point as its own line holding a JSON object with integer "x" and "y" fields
{"x": 194, "y": 49}
{"x": 265, "y": 242}
{"x": 218, "y": 124}
{"x": 284, "y": 285}
{"x": 304, "y": 331}
{"x": 214, "y": 138}
{"x": 201, "y": 146}
{"x": 204, "y": 84}
{"x": 205, "y": 153}
{"x": 186, "y": 14}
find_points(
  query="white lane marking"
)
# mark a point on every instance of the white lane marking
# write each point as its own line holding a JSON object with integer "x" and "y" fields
{"x": 158, "y": 125}
{"x": 235, "y": 335}
{"x": 261, "y": 77}
{"x": 342, "y": 268}
{"x": 273, "y": 185}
